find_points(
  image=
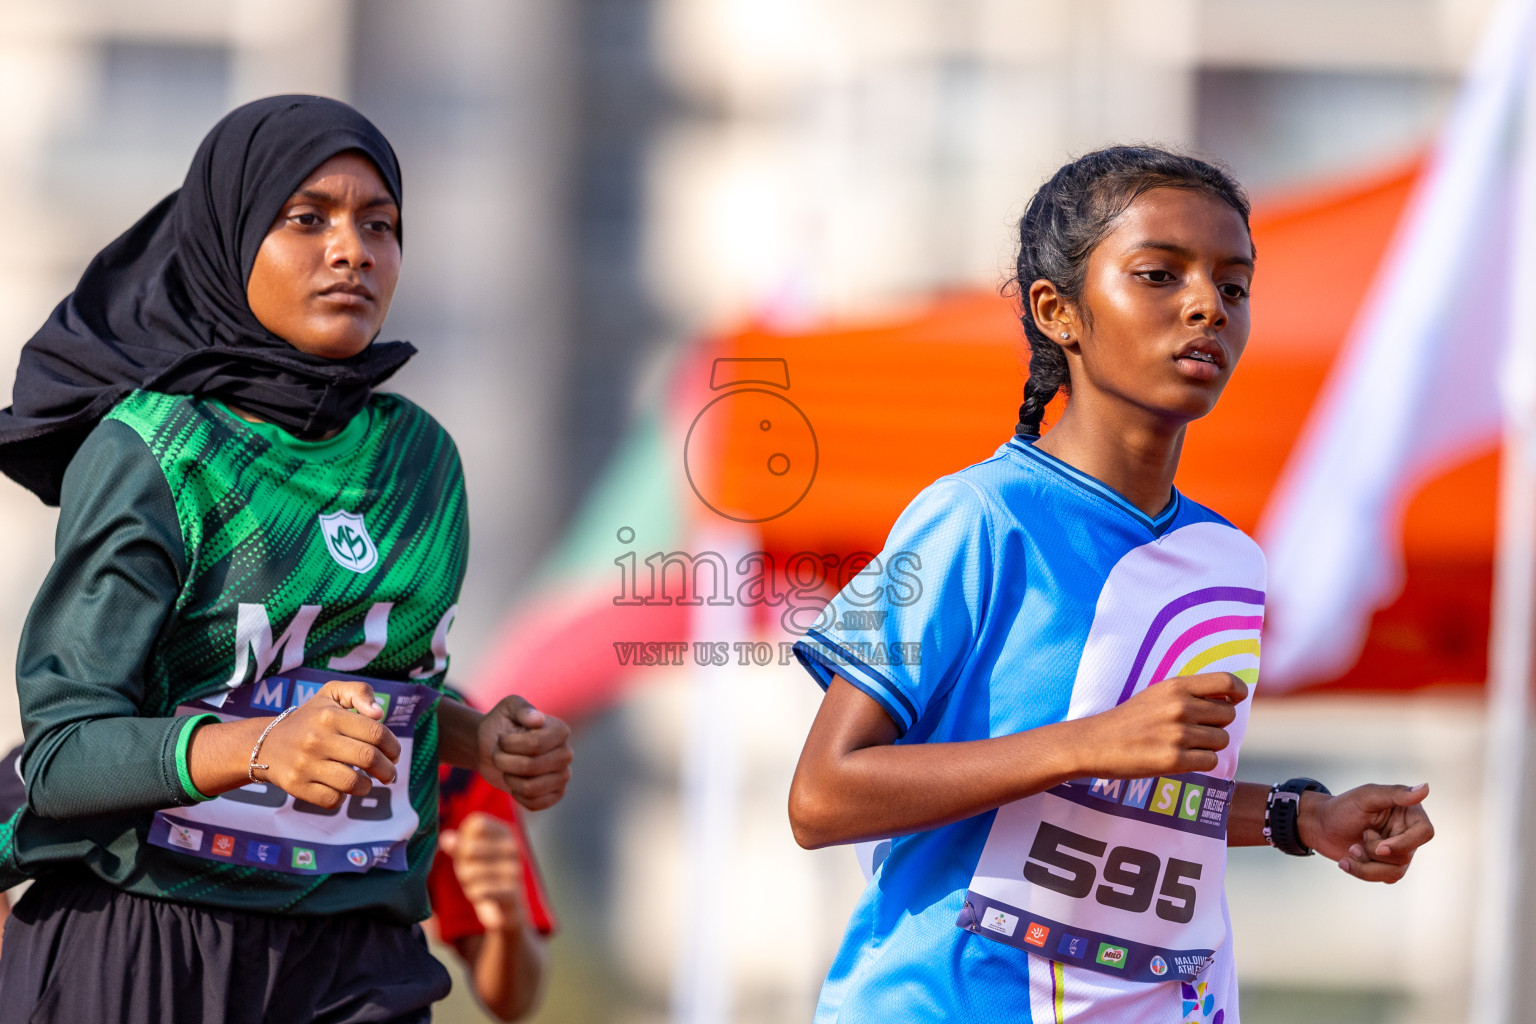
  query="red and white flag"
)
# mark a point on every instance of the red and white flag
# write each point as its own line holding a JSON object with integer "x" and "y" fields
{"x": 1427, "y": 376}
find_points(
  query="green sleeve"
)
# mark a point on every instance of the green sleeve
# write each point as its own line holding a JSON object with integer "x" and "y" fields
{"x": 118, "y": 567}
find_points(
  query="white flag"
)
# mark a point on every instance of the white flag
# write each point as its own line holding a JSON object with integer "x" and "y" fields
{"x": 1416, "y": 388}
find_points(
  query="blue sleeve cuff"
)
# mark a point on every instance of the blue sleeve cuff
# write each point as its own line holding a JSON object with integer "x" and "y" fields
{"x": 822, "y": 658}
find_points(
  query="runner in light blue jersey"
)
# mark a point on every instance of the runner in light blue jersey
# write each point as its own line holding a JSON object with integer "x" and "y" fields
{"x": 1043, "y": 716}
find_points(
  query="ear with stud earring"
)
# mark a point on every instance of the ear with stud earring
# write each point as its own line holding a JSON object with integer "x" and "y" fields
{"x": 1064, "y": 335}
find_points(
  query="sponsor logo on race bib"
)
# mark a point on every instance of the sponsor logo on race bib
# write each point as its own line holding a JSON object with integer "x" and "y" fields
{"x": 1137, "y": 791}
{"x": 998, "y": 921}
{"x": 270, "y": 694}
{"x": 186, "y": 838}
{"x": 1036, "y": 934}
{"x": 346, "y": 538}
{"x": 223, "y": 845}
{"x": 1192, "y": 965}
{"x": 1165, "y": 799}
{"x": 403, "y": 709}
{"x": 1111, "y": 956}
{"x": 357, "y": 857}
{"x": 1159, "y": 966}
{"x": 303, "y": 857}
{"x": 1072, "y": 945}
{"x": 1189, "y": 803}
{"x": 262, "y": 853}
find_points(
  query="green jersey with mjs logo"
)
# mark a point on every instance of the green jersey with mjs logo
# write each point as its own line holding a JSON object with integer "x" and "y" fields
{"x": 198, "y": 552}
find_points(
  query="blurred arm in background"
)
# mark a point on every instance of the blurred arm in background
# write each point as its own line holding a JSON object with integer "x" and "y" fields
{"x": 487, "y": 899}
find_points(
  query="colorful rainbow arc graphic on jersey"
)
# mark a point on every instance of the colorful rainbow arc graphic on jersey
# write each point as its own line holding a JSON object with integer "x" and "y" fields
{"x": 1207, "y": 627}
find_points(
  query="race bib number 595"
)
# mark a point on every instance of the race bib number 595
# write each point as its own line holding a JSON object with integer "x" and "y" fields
{"x": 1118, "y": 877}
{"x": 1130, "y": 876}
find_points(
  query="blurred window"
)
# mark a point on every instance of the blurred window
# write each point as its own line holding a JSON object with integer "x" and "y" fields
{"x": 152, "y": 93}
{"x": 1280, "y": 128}
{"x": 130, "y": 143}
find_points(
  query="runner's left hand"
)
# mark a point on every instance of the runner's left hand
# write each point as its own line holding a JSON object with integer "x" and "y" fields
{"x": 526, "y": 753}
{"x": 1371, "y": 831}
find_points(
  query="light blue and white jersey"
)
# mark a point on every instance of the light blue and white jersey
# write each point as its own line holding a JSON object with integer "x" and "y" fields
{"x": 1016, "y": 593}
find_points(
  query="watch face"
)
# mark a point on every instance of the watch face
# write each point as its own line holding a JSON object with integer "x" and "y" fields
{"x": 751, "y": 455}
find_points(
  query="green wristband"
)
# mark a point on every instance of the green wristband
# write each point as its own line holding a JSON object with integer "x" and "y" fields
{"x": 183, "y": 773}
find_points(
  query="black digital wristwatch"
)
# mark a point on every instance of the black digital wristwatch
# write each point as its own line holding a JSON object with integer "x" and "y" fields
{"x": 1282, "y": 813}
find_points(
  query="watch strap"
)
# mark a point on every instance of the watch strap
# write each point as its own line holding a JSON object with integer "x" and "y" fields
{"x": 1282, "y": 815}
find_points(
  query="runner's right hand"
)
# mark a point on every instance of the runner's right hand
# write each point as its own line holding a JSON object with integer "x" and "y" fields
{"x": 489, "y": 867}
{"x": 312, "y": 752}
{"x": 1173, "y": 726}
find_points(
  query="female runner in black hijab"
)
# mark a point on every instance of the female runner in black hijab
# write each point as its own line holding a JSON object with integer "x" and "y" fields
{"x": 164, "y": 307}
{"x": 257, "y": 563}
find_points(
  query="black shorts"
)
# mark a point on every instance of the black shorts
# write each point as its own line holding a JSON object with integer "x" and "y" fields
{"x": 78, "y": 950}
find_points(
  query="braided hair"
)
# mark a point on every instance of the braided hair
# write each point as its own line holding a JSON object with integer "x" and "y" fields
{"x": 1069, "y": 215}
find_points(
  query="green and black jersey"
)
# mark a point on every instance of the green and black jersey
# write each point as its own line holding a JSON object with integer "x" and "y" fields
{"x": 195, "y": 552}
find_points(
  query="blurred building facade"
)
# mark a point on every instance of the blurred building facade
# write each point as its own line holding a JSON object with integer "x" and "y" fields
{"x": 591, "y": 184}
{"x": 836, "y": 155}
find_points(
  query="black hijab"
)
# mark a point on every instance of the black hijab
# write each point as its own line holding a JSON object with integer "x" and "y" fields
{"x": 163, "y": 307}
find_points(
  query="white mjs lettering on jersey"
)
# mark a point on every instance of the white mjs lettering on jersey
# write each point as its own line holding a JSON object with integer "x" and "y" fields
{"x": 254, "y": 643}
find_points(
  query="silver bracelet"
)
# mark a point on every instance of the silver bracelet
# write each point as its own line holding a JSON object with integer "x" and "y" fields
{"x": 251, "y": 770}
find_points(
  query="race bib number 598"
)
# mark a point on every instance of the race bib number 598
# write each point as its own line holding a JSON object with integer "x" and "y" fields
{"x": 261, "y": 826}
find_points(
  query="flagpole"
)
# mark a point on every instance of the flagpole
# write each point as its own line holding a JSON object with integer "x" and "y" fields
{"x": 1498, "y": 954}
{"x": 1499, "y": 946}
{"x": 703, "y": 975}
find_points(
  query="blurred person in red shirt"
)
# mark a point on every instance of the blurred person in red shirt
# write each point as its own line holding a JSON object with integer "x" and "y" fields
{"x": 488, "y": 900}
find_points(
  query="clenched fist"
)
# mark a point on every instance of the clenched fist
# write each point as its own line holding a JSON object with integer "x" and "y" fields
{"x": 524, "y": 752}
{"x": 489, "y": 867}
{"x": 1177, "y": 725}
{"x": 327, "y": 749}
{"x": 1371, "y": 831}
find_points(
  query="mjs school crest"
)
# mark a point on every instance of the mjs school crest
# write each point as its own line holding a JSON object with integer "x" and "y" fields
{"x": 346, "y": 538}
